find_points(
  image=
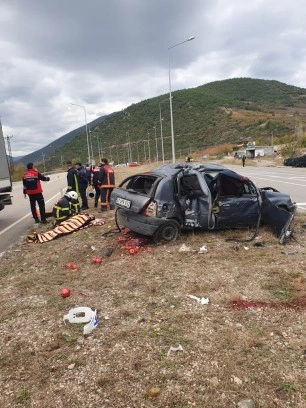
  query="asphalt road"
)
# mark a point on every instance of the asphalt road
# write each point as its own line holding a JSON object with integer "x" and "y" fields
{"x": 16, "y": 219}
{"x": 285, "y": 179}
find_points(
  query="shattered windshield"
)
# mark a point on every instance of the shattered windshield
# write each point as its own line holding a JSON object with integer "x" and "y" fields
{"x": 142, "y": 183}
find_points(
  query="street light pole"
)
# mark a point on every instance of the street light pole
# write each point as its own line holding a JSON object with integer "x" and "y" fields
{"x": 44, "y": 164}
{"x": 87, "y": 133}
{"x": 156, "y": 147}
{"x": 144, "y": 149}
{"x": 98, "y": 140}
{"x": 161, "y": 130}
{"x": 11, "y": 162}
{"x": 138, "y": 161}
{"x": 110, "y": 152}
{"x": 170, "y": 97}
{"x": 91, "y": 148}
{"x": 149, "y": 147}
{"x": 99, "y": 149}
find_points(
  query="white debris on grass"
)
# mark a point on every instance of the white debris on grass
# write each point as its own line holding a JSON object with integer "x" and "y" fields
{"x": 203, "y": 249}
{"x": 172, "y": 348}
{"x": 185, "y": 248}
{"x": 83, "y": 314}
{"x": 202, "y": 300}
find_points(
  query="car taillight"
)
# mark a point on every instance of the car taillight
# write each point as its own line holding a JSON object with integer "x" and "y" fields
{"x": 150, "y": 210}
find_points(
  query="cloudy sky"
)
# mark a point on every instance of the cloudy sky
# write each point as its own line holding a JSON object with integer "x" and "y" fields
{"x": 107, "y": 54}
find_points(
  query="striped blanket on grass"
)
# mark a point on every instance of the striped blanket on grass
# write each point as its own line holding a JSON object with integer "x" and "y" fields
{"x": 74, "y": 223}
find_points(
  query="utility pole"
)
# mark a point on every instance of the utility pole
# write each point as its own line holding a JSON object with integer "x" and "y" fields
{"x": 99, "y": 149}
{"x": 110, "y": 152}
{"x": 11, "y": 163}
{"x": 144, "y": 148}
{"x": 149, "y": 147}
{"x": 138, "y": 161}
{"x": 117, "y": 153}
{"x": 154, "y": 127}
{"x": 129, "y": 147}
{"x": 161, "y": 129}
{"x": 44, "y": 164}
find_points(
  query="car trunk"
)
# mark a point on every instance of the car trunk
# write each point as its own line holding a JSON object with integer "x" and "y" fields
{"x": 134, "y": 193}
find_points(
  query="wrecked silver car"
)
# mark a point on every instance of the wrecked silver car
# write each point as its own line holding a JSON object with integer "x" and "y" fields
{"x": 176, "y": 197}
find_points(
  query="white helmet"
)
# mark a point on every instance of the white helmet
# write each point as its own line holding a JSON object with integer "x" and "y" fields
{"x": 72, "y": 195}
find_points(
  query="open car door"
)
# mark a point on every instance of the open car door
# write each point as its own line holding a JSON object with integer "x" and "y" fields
{"x": 237, "y": 201}
{"x": 195, "y": 200}
{"x": 278, "y": 219}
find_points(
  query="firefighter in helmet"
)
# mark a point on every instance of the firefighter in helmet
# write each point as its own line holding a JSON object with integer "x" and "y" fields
{"x": 66, "y": 206}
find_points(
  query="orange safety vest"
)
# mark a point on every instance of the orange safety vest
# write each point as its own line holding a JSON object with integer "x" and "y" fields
{"x": 31, "y": 182}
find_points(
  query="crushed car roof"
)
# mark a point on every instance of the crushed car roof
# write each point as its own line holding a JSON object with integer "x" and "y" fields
{"x": 174, "y": 168}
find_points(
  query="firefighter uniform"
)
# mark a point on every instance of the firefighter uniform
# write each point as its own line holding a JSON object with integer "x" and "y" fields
{"x": 62, "y": 209}
{"x": 106, "y": 183}
{"x": 83, "y": 184}
{"x": 32, "y": 187}
{"x": 72, "y": 180}
{"x": 65, "y": 207}
{"x": 95, "y": 171}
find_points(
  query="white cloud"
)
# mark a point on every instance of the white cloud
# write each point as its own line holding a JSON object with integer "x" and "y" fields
{"x": 106, "y": 55}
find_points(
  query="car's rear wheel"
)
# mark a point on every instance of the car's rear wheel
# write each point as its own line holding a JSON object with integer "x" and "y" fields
{"x": 167, "y": 232}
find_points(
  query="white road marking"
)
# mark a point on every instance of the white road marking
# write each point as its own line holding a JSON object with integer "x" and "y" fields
{"x": 25, "y": 216}
{"x": 298, "y": 205}
{"x": 278, "y": 181}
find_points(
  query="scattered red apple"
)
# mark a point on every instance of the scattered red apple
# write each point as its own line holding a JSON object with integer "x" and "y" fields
{"x": 74, "y": 267}
{"x": 65, "y": 292}
{"x": 68, "y": 265}
{"x": 96, "y": 260}
{"x": 134, "y": 250}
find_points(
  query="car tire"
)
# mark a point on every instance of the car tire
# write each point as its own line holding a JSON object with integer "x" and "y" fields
{"x": 167, "y": 232}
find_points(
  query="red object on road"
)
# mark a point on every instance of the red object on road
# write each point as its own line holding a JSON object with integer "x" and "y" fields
{"x": 96, "y": 260}
{"x": 65, "y": 292}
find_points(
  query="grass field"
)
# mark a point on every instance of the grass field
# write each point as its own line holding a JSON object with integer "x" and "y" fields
{"x": 247, "y": 343}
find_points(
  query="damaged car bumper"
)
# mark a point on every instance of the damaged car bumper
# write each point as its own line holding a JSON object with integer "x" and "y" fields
{"x": 139, "y": 223}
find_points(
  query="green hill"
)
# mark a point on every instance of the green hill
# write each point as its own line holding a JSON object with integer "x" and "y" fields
{"x": 229, "y": 111}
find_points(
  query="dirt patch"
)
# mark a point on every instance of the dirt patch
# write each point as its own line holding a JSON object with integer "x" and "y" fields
{"x": 226, "y": 354}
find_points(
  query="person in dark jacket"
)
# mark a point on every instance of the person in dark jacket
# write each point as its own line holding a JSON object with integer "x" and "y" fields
{"x": 32, "y": 187}
{"x": 65, "y": 207}
{"x": 72, "y": 178}
{"x": 83, "y": 184}
{"x": 95, "y": 171}
{"x": 107, "y": 183}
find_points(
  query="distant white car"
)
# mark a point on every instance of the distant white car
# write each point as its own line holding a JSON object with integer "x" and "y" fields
{"x": 121, "y": 165}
